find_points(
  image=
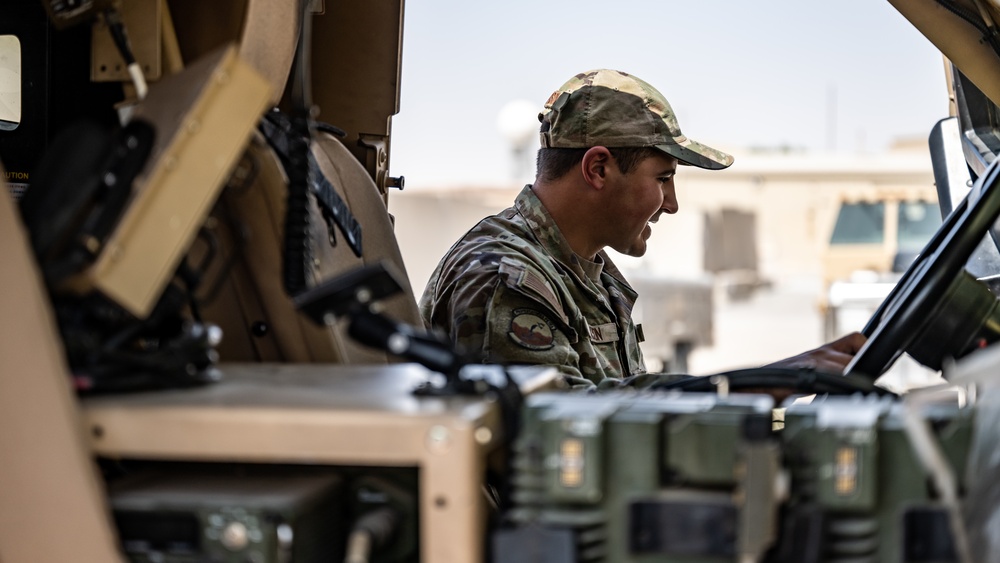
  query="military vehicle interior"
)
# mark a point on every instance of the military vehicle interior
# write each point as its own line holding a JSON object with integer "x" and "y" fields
{"x": 211, "y": 351}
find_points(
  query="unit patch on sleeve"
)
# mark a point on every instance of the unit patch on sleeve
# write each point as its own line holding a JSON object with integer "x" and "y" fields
{"x": 530, "y": 329}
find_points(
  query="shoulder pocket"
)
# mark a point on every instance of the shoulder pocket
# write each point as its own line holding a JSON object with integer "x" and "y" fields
{"x": 531, "y": 283}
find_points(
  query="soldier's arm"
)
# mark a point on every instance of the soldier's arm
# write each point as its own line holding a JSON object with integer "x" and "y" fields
{"x": 517, "y": 328}
{"x": 495, "y": 323}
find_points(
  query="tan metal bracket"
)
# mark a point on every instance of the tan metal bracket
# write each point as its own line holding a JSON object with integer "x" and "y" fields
{"x": 376, "y": 158}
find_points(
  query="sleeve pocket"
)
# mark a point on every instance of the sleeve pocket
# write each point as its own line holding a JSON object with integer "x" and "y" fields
{"x": 520, "y": 329}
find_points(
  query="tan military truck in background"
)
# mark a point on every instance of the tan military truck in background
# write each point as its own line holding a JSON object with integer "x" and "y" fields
{"x": 873, "y": 240}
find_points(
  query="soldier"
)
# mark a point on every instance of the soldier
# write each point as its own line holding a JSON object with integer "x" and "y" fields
{"x": 533, "y": 284}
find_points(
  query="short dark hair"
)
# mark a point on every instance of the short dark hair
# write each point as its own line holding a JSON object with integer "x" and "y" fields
{"x": 553, "y": 163}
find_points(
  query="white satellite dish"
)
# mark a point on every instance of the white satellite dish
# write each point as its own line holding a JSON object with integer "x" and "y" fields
{"x": 518, "y": 123}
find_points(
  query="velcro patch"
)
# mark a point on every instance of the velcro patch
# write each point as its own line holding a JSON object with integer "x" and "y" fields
{"x": 531, "y": 329}
{"x": 532, "y": 284}
{"x": 607, "y": 332}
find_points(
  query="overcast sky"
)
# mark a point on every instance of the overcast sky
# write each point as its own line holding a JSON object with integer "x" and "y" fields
{"x": 850, "y": 75}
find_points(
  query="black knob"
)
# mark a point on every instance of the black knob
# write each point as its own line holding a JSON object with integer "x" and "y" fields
{"x": 395, "y": 182}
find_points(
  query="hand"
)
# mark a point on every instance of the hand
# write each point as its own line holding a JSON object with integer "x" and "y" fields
{"x": 832, "y": 357}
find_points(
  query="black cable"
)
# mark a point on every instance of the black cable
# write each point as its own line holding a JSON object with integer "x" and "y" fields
{"x": 511, "y": 403}
{"x": 370, "y": 533}
{"x": 119, "y": 35}
{"x": 807, "y": 381}
{"x": 380, "y": 332}
{"x": 191, "y": 279}
{"x": 331, "y": 129}
{"x": 294, "y": 260}
{"x": 297, "y": 209}
{"x": 192, "y": 275}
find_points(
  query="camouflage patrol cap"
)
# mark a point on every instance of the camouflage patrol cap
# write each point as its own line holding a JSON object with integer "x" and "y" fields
{"x": 611, "y": 108}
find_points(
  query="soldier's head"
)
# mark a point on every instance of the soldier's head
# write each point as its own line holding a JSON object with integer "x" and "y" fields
{"x": 619, "y": 111}
{"x": 620, "y": 139}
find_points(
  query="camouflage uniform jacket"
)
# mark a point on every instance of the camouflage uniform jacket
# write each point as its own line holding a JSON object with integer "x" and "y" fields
{"x": 513, "y": 291}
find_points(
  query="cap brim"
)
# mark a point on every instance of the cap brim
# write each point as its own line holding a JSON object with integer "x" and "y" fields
{"x": 696, "y": 154}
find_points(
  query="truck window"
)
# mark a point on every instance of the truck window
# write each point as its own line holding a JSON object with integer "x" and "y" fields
{"x": 859, "y": 223}
{"x": 918, "y": 221}
{"x": 10, "y": 82}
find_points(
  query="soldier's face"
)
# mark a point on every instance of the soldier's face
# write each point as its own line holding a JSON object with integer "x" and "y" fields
{"x": 644, "y": 195}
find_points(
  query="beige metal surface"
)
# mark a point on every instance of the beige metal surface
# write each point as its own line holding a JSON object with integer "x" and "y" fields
{"x": 356, "y": 188}
{"x": 959, "y": 41}
{"x": 51, "y": 504}
{"x": 202, "y": 27}
{"x": 356, "y": 61}
{"x": 144, "y": 21}
{"x": 315, "y": 414}
{"x": 268, "y": 41}
{"x": 203, "y": 118}
{"x": 173, "y": 61}
{"x": 259, "y": 211}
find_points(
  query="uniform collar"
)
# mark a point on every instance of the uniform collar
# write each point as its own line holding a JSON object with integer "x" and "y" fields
{"x": 544, "y": 227}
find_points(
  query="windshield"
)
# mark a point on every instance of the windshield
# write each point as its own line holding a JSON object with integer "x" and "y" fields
{"x": 918, "y": 221}
{"x": 859, "y": 223}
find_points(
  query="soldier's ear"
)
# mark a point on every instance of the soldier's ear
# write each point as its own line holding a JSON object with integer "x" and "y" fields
{"x": 594, "y": 166}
